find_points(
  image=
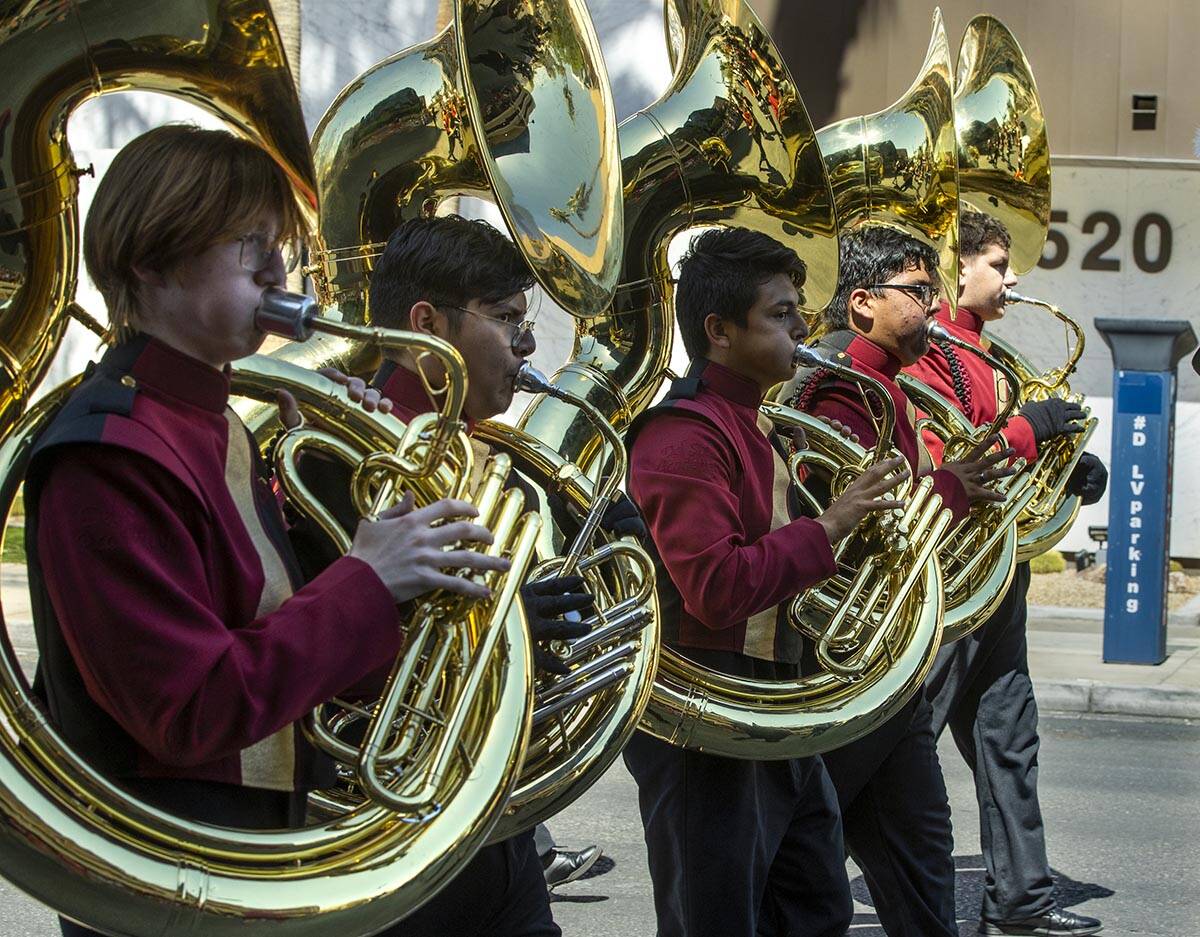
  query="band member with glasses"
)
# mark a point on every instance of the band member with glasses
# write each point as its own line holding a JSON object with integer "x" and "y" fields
{"x": 465, "y": 282}
{"x": 178, "y": 644}
{"x": 980, "y": 684}
{"x": 889, "y": 783}
{"x": 736, "y": 848}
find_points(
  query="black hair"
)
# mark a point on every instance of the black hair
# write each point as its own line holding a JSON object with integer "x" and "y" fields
{"x": 977, "y": 231}
{"x": 873, "y": 254}
{"x": 446, "y": 261}
{"x": 720, "y": 273}
{"x": 958, "y": 374}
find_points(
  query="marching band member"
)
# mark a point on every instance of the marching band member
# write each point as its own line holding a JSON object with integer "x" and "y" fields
{"x": 980, "y": 684}
{"x": 465, "y": 282}
{"x": 736, "y": 848}
{"x": 889, "y": 783}
{"x": 178, "y": 646}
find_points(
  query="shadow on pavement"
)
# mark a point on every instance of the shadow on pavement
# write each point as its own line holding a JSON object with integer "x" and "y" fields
{"x": 602, "y": 866}
{"x": 969, "y": 875}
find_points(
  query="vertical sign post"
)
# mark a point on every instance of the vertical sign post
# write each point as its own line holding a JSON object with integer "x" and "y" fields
{"x": 1145, "y": 353}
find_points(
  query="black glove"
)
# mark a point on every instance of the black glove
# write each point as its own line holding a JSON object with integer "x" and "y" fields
{"x": 623, "y": 519}
{"x": 1053, "y": 417}
{"x": 1089, "y": 479}
{"x": 553, "y": 610}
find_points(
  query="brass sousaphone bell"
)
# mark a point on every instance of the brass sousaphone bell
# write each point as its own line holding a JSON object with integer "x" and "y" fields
{"x": 897, "y": 167}
{"x": 226, "y": 58}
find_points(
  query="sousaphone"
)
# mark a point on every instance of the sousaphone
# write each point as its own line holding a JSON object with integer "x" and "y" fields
{"x": 70, "y": 836}
{"x": 509, "y": 103}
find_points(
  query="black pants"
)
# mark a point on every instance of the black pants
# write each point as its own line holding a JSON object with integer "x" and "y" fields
{"x": 980, "y": 688}
{"x": 740, "y": 848}
{"x": 501, "y": 892}
{"x": 543, "y": 841}
{"x": 896, "y": 819}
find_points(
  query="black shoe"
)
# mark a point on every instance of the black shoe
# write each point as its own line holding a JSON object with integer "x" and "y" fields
{"x": 1056, "y": 922}
{"x": 563, "y": 865}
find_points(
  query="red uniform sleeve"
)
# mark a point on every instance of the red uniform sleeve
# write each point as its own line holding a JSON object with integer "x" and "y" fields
{"x": 954, "y": 495}
{"x": 682, "y": 478}
{"x": 1019, "y": 435}
{"x": 120, "y": 543}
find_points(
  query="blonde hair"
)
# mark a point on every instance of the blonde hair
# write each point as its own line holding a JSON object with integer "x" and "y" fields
{"x": 172, "y": 193}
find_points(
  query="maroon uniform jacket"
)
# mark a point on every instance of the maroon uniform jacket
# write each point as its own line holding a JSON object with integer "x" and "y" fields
{"x": 978, "y": 392}
{"x": 714, "y": 490}
{"x": 821, "y": 394}
{"x": 176, "y": 639}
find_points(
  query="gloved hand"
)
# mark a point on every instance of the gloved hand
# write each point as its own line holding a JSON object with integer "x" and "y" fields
{"x": 554, "y": 609}
{"x": 623, "y": 519}
{"x": 1053, "y": 417}
{"x": 1089, "y": 479}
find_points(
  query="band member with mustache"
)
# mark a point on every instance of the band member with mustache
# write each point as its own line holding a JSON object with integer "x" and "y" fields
{"x": 178, "y": 644}
{"x": 889, "y": 783}
{"x": 980, "y": 684}
{"x": 465, "y": 282}
{"x": 736, "y": 848}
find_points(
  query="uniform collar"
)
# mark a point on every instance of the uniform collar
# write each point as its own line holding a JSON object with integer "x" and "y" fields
{"x": 155, "y": 364}
{"x": 406, "y": 391}
{"x": 865, "y": 352}
{"x": 726, "y": 383}
{"x": 962, "y": 319}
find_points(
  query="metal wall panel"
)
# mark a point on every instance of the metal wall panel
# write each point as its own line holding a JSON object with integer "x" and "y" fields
{"x": 1143, "y": 70}
{"x": 1182, "y": 109}
{"x": 1089, "y": 56}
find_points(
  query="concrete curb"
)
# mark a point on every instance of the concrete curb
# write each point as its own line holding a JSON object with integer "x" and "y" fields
{"x": 1187, "y": 615}
{"x": 1092, "y": 696}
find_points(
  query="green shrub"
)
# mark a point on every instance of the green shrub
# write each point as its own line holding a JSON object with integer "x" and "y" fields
{"x": 1049, "y": 562}
{"x": 14, "y": 545}
{"x": 1175, "y": 566}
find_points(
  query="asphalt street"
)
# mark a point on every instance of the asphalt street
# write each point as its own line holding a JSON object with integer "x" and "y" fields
{"x": 1121, "y": 800}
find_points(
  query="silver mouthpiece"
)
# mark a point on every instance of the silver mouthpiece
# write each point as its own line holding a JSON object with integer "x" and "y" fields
{"x": 805, "y": 356}
{"x": 286, "y": 314}
{"x": 936, "y": 331}
{"x": 533, "y": 381}
{"x": 1012, "y": 296}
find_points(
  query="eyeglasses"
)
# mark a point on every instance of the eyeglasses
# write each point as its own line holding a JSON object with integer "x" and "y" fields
{"x": 257, "y": 250}
{"x": 926, "y": 293}
{"x": 519, "y": 329}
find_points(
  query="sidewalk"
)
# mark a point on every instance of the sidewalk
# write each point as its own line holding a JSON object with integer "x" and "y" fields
{"x": 1069, "y": 673}
{"x": 1065, "y": 648}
